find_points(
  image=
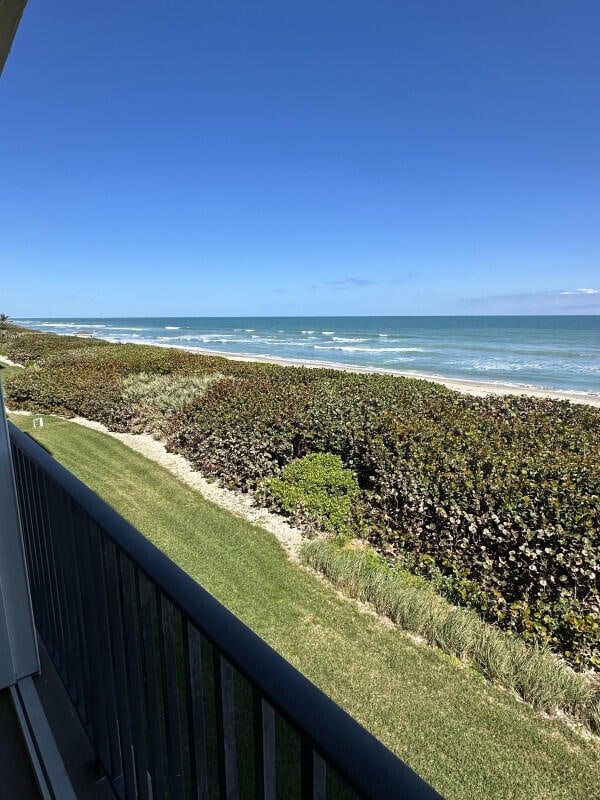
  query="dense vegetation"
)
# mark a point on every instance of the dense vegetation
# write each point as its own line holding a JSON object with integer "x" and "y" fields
{"x": 497, "y": 499}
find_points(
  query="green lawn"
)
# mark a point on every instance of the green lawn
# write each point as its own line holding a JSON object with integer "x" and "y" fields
{"x": 6, "y": 370}
{"x": 464, "y": 736}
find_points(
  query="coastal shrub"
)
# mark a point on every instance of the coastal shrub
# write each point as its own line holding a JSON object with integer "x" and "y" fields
{"x": 129, "y": 359}
{"x": 514, "y": 529}
{"x": 28, "y": 346}
{"x": 64, "y": 391}
{"x": 496, "y": 499}
{"x": 537, "y": 675}
{"x": 240, "y": 431}
{"x": 315, "y": 491}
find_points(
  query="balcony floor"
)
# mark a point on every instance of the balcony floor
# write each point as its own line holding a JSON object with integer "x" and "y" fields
{"x": 17, "y": 777}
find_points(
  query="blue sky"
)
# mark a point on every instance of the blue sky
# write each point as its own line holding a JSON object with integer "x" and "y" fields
{"x": 230, "y": 158}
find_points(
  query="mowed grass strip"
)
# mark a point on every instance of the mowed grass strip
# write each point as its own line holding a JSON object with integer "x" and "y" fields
{"x": 6, "y": 370}
{"x": 467, "y": 738}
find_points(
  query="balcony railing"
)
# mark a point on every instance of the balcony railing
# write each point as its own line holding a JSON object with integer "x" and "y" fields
{"x": 179, "y": 698}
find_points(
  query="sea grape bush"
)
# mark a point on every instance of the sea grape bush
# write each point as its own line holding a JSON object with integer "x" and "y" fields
{"x": 497, "y": 499}
{"x": 27, "y": 346}
{"x": 507, "y": 512}
{"x": 241, "y": 431}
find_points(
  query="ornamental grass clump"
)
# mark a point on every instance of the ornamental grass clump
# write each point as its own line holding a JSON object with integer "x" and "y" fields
{"x": 494, "y": 653}
{"x": 534, "y": 673}
{"x": 542, "y": 679}
{"x": 457, "y": 631}
{"x": 152, "y": 398}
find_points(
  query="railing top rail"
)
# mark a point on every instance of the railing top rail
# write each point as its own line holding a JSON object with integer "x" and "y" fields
{"x": 357, "y": 755}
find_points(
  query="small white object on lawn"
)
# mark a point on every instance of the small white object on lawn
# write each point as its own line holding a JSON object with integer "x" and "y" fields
{"x": 38, "y": 422}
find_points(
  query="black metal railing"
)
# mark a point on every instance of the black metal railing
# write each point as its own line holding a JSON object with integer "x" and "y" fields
{"x": 179, "y": 698}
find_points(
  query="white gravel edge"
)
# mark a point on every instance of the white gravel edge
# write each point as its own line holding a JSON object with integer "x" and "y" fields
{"x": 238, "y": 503}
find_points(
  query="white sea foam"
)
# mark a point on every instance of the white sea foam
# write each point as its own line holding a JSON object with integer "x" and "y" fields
{"x": 348, "y": 339}
{"x": 172, "y": 327}
{"x": 116, "y": 328}
{"x": 327, "y": 333}
{"x": 305, "y": 331}
{"x": 71, "y": 325}
{"x": 369, "y": 349}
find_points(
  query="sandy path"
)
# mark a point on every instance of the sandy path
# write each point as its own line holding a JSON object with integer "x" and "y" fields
{"x": 237, "y": 503}
{"x": 8, "y": 362}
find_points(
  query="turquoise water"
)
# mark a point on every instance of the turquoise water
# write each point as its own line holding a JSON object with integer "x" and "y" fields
{"x": 548, "y": 352}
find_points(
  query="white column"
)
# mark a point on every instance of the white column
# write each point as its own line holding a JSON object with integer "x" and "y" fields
{"x": 18, "y": 644}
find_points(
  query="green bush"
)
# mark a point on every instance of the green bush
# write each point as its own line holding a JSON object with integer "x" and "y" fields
{"x": 316, "y": 491}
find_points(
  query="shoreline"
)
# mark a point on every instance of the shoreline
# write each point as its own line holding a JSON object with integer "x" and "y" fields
{"x": 473, "y": 388}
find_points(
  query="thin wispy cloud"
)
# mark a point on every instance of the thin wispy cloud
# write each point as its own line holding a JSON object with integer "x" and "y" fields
{"x": 349, "y": 283}
{"x": 344, "y": 284}
{"x": 557, "y": 301}
{"x": 582, "y": 292}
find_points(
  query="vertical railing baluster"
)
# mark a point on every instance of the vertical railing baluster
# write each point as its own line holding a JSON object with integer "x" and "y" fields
{"x": 65, "y": 603}
{"x": 78, "y": 657}
{"x": 151, "y": 668}
{"x": 196, "y": 716}
{"x": 306, "y": 769}
{"x": 229, "y": 737}
{"x": 72, "y": 535}
{"x": 53, "y": 498}
{"x": 89, "y": 618}
{"x": 265, "y": 746}
{"x": 50, "y": 522}
{"x": 97, "y": 649}
{"x": 35, "y": 513}
{"x": 34, "y": 522}
{"x": 30, "y": 534}
{"x": 113, "y": 593}
{"x": 319, "y": 778}
{"x": 258, "y": 744}
{"x": 132, "y": 634}
{"x": 114, "y": 768}
{"x": 171, "y": 696}
{"x": 218, "y": 699}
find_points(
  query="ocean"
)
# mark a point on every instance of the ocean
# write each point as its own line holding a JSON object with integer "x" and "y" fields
{"x": 559, "y": 352}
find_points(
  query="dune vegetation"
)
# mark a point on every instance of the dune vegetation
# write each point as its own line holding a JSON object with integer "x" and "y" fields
{"x": 495, "y": 498}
